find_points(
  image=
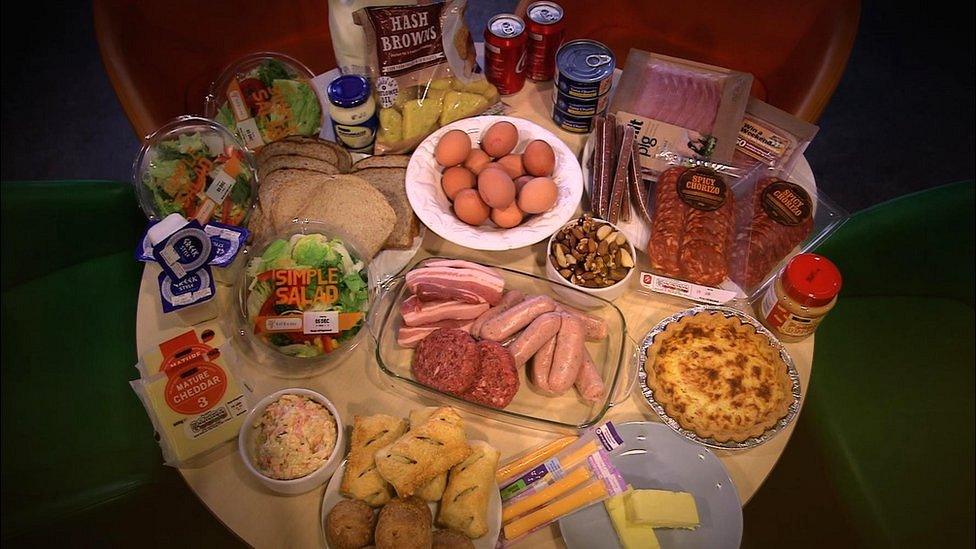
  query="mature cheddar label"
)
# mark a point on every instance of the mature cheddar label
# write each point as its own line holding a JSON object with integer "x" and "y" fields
{"x": 786, "y": 203}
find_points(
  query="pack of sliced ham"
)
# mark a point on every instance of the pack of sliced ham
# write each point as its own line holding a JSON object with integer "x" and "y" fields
{"x": 682, "y": 106}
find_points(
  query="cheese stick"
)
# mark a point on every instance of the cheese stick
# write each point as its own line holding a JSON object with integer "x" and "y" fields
{"x": 551, "y": 492}
{"x": 533, "y": 458}
{"x": 591, "y": 493}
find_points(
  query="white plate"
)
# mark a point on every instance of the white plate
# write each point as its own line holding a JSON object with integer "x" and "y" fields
{"x": 433, "y": 208}
{"x": 487, "y": 541}
{"x": 653, "y": 457}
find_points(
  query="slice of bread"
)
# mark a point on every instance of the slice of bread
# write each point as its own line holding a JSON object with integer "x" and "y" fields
{"x": 392, "y": 183}
{"x": 344, "y": 203}
{"x": 383, "y": 161}
{"x": 294, "y": 162}
{"x": 309, "y": 147}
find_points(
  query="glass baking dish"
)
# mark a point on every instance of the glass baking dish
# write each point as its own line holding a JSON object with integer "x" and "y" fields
{"x": 614, "y": 357}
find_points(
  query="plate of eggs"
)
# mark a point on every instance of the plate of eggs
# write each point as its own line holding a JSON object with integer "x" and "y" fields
{"x": 494, "y": 183}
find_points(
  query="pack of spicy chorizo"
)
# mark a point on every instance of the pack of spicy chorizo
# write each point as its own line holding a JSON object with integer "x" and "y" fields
{"x": 779, "y": 216}
{"x": 693, "y": 224}
{"x": 719, "y": 232}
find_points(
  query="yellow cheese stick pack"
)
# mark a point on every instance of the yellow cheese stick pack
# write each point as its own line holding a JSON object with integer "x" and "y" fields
{"x": 192, "y": 398}
{"x": 552, "y": 468}
{"x": 600, "y": 481}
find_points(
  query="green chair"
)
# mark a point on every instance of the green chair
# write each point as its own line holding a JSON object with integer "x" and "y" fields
{"x": 79, "y": 463}
{"x": 883, "y": 453}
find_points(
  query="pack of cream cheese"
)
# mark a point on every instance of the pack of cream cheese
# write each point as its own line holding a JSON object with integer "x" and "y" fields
{"x": 193, "y": 399}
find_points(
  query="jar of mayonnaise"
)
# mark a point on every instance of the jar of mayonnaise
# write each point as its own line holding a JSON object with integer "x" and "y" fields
{"x": 800, "y": 298}
{"x": 353, "y": 112}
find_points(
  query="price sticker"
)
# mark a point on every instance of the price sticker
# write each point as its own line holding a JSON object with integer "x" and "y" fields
{"x": 321, "y": 322}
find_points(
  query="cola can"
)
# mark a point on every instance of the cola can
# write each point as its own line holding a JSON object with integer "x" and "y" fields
{"x": 505, "y": 41}
{"x": 545, "y": 26}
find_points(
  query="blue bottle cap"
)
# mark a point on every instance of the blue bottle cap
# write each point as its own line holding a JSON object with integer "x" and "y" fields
{"x": 349, "y": 90}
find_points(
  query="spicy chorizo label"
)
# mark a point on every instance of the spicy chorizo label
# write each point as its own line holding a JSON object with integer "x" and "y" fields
{"x": 702, "y": 189}
{"x": 786, "y": 203}
{"x": 407, "y": 37}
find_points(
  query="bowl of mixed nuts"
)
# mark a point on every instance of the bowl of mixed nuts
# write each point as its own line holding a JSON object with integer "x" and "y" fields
{"x": 591, "y": 255}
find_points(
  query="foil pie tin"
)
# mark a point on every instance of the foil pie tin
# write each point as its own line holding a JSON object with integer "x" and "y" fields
{"x": 671, "y": 422}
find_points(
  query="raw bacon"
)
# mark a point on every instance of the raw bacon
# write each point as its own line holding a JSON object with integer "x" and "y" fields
{"x": 410, "y": 336}
{"x": 467, "y": 284}
{"x": 421, "y": 313}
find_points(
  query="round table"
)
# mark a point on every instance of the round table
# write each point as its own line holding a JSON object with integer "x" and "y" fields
{"x": 265, "y": 519}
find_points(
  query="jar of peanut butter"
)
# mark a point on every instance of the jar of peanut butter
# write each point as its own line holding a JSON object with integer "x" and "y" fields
{"x": 800, "y": 298}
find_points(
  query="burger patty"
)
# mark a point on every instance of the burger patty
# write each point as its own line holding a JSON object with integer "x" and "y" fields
{"x": 498, "y": 380}
{"x": 447, "y": 360}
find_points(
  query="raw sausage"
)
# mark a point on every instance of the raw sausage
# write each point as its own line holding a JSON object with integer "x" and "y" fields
{"x": 532, "y": 338}
{"x": 567, "y": 356}
{"x": 509, "y": 299}
{"x": 541, "y": 364}
{"x": 589, "y": 383}
{"x": 595, "y": 327}
{"x": 519, "y": 316}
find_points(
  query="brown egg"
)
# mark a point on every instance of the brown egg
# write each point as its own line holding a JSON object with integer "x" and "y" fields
{"x": 538, "y": 158}
{"x": 512, "y": 164}
{"x": 468, "y": 207}
{"x": 452, "y": 148}
{"x": 538, "y": 195}
{"x": 521, "y": 181}
{"x": 507, "y": 218}
{"x": 496, "y": 188}
{"x": 499, "y": 139}
{"x": 455, "y": 179}
{"x": 477, "y": 160}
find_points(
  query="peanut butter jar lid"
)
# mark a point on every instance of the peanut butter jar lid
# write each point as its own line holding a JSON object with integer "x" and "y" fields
{"x": 811, "y": 280}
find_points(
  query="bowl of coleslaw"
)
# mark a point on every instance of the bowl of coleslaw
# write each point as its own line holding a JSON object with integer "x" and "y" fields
{"x": 292, "y": 441}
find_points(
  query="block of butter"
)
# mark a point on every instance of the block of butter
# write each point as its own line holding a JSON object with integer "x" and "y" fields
{"x": 661, "y": 509}
{"x": 631, "y": 536}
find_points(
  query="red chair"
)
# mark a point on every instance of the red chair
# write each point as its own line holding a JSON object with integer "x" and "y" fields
{"x": 162, "y": 56}
{"x": 796, "y": 51}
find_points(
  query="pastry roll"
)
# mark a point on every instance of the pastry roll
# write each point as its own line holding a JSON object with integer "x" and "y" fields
{"x": 424, "y": 452}
{"x": 469, "y": 485}
{"x": 361, "y": 480}
{"x": 433, "y": 490}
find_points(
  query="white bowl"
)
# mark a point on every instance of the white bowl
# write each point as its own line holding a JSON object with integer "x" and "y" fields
{"x": 432, "y": 206}
{"x": 609, "y": 293}
{"x": 299, "y": 485}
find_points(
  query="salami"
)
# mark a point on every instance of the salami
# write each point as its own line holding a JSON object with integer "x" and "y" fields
{"x": 692, "y": 227}
{"x": 498, "y": 381}
{"x": 447, "y": 360}
{"x": 781, "y": 218}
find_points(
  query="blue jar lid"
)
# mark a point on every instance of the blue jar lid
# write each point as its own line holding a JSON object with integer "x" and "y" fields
{"x": 349, "y": 90}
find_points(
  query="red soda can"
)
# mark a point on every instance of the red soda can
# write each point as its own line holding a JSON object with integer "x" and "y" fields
{"x": 545, "y": 28}
{"x": 505, "y": 41}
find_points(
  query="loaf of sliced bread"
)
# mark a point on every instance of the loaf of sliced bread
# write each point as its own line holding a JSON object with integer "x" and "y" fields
{"x": 294, "y": 162}
{"x": 392, "y": 183}
{"x": 382, "y": 161}
{"x": 346, "y": 204}
{"x": 309, "y": 147}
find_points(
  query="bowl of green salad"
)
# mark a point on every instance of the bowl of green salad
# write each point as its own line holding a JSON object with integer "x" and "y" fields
{"x": 195, "y": 167}
{"x": 265, "y": 97}
{"x": 302, "y": 300}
